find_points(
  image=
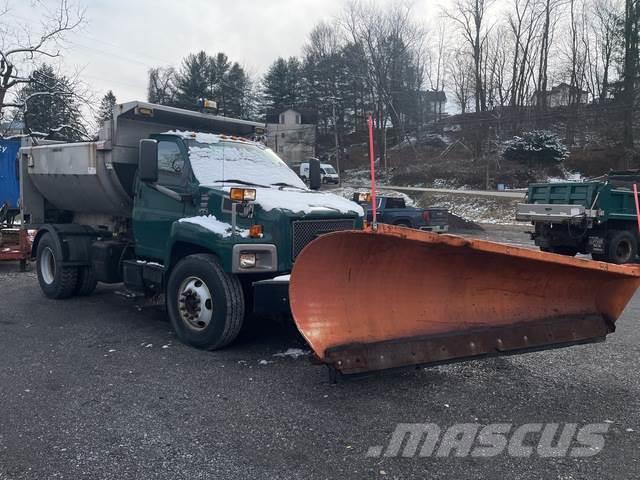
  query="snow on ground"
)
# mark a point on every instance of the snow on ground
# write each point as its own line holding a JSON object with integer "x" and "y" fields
{"x": 475, "y": 209}
{"x": 293, "y": 353}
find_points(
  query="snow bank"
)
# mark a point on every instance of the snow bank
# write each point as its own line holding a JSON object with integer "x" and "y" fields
{"x": 211, "y": 223}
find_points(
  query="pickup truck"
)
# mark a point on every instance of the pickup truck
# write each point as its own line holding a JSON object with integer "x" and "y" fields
{"x": 394, "y": 211}
{"x": 594, "y": 217}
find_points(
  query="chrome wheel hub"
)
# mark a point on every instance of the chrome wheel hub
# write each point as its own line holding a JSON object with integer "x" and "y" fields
{"x": 195, "y": 303}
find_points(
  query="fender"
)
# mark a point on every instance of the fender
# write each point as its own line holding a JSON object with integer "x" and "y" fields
{"x": 73, "y": 241}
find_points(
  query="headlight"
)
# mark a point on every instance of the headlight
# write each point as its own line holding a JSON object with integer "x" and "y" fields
{"x": 247, "y": 260}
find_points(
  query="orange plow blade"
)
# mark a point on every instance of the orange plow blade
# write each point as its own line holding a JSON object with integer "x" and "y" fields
{"x": 396, "y": 297}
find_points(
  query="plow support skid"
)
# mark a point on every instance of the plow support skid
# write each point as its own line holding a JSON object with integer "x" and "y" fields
{"x": 396, "y": 297}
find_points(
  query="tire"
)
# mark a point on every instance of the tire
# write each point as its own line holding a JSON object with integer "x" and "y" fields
{"x": 622, "y": 247}
{"x": 87, "y": 282}
{"x": 206, "y": 305}
{"x": 56, "y": 282}
{"x": 403, "y": 224}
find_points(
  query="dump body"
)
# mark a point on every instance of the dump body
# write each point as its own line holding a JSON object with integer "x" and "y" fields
{"x": 585, "y": 217}
{"x": 397, "y": 297}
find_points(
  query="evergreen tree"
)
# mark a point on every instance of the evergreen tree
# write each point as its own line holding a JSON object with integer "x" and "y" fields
{"x": 282, "y": 84}
{"x": 105, "y": 111}
{"x": 51, "y": 106}
{"x": 193, "y": 82}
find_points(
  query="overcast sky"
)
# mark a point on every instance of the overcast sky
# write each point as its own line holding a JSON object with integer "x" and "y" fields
{"x": 122, "y": 39}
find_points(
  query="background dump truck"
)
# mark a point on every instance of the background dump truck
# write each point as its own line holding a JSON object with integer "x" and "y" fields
{"x": 205, "y": 218}
{"x": 595, "y": 217}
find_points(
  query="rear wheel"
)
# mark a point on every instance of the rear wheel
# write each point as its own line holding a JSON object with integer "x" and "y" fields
{"x": 55, "y": 281}
{"x": 205, "y": 304}
{"x": 87, "y": 282}
{"x": 622, "y": 247}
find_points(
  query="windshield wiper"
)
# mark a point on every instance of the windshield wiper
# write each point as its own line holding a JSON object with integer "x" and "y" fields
{"x": 241, "y": 182}
{"x": 285, "y": 184}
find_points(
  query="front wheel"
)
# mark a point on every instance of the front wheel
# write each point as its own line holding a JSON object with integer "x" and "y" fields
{"x": 205, "y": 304}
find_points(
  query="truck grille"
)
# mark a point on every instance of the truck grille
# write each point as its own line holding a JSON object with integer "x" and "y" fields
{"x": 304, "y": 231}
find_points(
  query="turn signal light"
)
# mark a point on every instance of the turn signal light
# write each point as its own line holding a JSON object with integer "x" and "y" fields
{"x": 242, "y": 194}
{"x": 255, "y": 231}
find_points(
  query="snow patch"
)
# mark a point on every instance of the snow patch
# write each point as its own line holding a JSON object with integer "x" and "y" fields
{"x": 292, "y": 352}
{"x": 211, "y": 223}
{"x": 282, "y": 278}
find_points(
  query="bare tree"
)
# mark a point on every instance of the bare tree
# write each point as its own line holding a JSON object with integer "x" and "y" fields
{"x": 390, "y": 41}
{"x": 22, "y": 48}
{"x": 469, "y": 17}
{"x": 631, "y": 18}
{"x": 461, "y": 72}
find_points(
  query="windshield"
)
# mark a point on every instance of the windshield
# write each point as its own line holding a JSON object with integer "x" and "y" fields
{"x": 329, "y": 170}
{"x": 231, "y": 161}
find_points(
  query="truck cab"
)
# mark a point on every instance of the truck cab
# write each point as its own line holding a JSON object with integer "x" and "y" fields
{"x": 210, "y": 218}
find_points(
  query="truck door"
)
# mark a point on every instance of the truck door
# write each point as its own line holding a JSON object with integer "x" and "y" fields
{"x": 155, "y": 212}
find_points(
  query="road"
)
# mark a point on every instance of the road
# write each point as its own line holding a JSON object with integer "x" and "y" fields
{"x": 93, "y": 388}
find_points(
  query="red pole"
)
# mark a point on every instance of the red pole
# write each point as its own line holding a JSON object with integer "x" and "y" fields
{"x": 373, "y": 173}
{"x": 635, "y": 196}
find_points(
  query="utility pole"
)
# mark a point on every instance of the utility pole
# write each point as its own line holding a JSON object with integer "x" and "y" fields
{"x": 337, "y": 141}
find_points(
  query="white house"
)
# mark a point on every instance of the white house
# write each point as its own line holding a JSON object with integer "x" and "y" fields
{"x": 292, "y": 134}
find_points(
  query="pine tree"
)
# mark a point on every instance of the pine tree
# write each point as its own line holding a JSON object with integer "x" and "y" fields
{"x": 105, "y": 111}
{"x": 51, "y": 105}
{"x": 281, "y": 85}
{"x": 193, "y": 82}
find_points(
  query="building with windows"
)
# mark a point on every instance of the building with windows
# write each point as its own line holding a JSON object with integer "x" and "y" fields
{"x": 291, "y": 133}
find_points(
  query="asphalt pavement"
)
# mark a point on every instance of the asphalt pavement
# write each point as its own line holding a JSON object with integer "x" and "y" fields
{"x": 96, "y": 388}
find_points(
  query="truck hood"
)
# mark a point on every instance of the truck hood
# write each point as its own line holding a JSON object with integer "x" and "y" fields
{"x": 306, "y": 202}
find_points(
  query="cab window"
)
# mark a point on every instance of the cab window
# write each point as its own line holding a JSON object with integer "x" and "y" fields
{"x": 171, "y": 163}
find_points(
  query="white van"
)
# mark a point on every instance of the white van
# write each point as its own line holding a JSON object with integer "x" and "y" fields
{"x": 328, "y": 174}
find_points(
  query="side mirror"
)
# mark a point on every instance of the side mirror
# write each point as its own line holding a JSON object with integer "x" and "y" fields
{"x": 315, "y": 179}
{"x": 148, "y": 161}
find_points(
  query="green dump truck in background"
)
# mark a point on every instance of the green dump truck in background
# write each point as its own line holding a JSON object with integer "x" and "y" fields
{"x": 593, "y": 217}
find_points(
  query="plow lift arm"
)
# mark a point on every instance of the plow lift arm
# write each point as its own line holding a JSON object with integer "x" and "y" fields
{"x": 395, "y": 297}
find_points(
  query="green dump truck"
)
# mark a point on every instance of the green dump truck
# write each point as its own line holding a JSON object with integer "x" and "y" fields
{"x": 593, "y": 217}
{"x": 175, "y": 203}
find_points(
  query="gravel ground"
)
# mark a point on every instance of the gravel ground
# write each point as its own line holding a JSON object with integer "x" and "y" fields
{"x": 93, "y": 388}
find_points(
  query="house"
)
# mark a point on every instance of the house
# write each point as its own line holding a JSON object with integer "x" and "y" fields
{"x": 291, "y": 133}
{"x": 561, "y": 95}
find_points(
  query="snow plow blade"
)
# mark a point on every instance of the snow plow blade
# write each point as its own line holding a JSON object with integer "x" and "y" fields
{"x": 397, "y": 297}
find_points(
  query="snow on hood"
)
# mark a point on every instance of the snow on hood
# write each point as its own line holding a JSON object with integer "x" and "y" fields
{"x": 304, "y": 201}
{"x": 211, "y": 223}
